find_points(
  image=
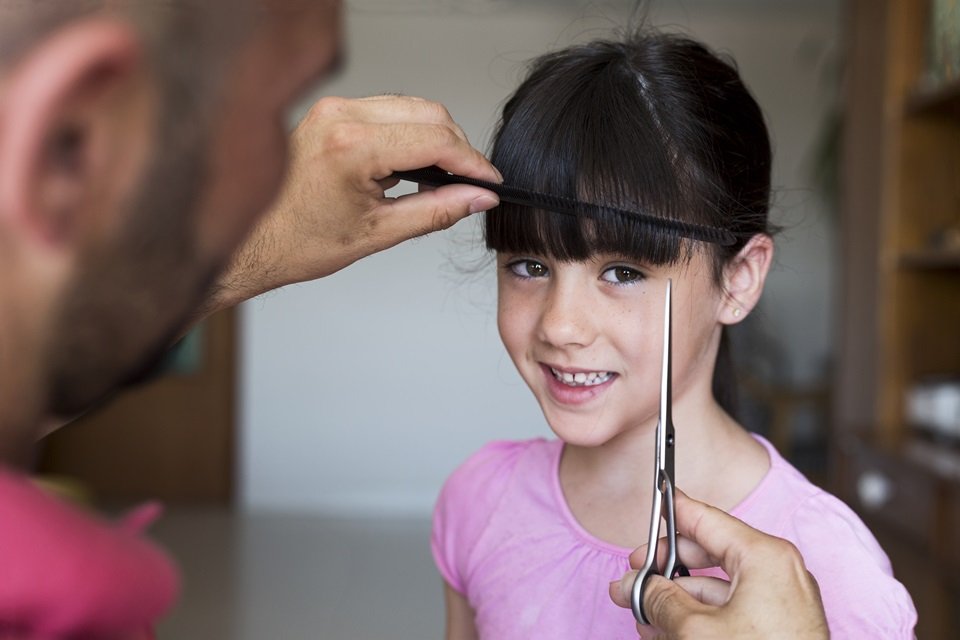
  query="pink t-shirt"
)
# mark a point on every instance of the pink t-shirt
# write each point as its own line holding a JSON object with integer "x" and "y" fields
{"x": 504, "y": 538}
{"x": 66, "y": 574}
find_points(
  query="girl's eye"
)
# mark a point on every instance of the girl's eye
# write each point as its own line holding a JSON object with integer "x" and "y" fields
{"x": 621, "y": 275}
{"x": 528, "y": 268}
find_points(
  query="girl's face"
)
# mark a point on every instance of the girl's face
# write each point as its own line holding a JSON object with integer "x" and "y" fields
{"x": 587, "y": 338}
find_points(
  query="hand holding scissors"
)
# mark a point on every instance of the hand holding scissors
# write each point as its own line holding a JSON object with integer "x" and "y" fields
{"x": 770, "y": 594}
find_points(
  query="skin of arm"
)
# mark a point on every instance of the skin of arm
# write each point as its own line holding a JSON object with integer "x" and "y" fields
{"x": 460, "y": 625}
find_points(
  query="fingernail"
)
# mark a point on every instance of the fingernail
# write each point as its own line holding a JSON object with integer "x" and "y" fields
{"x": 499, "y": 174}
{"x": 483, "y": 203}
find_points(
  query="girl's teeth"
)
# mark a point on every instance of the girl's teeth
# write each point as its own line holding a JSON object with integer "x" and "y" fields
{"x": 581, "y": 379}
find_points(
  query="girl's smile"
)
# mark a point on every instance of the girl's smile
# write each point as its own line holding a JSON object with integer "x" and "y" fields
{"x": 576, "y": 386}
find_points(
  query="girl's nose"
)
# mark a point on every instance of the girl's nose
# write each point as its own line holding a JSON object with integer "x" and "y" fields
{"x": 567, "y": 317}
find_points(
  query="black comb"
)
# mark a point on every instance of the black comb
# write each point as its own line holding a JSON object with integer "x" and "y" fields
{"x": 436, "y": 177}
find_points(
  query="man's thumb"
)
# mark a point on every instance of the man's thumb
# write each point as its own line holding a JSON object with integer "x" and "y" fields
{"x": 666, "y": 604}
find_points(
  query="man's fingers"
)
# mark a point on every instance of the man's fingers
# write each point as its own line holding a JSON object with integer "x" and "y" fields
{"x": 384, "y": 109}
{"x": 719, "y": 534}
{"x": 446, "y": 150}
{"x": 689, "y": 554}
{"x": 666, "y": 604}
{"x": 620, "y": 589}
{"x": 706, "y": 589}
{"x": 387, "y": 109}
{"x": 419, "y": 213}
{"x": 405, "y": 146}
{"x": 701, "y": 606}
{"x": 384, "y": 134}
{"x": 639, "y": 556}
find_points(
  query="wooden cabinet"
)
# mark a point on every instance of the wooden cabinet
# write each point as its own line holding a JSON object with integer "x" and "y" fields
{"x": 953, "y": 525}
{"x": 900, "y": 301}
{"x": 171, "y": 438}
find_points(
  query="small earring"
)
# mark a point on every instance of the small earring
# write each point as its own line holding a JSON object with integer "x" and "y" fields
{"x": 736, "y": 312}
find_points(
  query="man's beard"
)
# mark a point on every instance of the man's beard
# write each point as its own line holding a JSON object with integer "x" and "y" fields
{"x": 133, "y": 296}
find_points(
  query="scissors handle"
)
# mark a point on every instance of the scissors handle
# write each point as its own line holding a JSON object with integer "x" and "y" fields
{"x": 672, "y": 566}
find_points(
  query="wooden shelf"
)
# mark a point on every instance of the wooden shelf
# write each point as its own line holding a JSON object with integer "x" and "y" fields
{"x": 930, "y": 259}
{"x": 900, "y": 306}
{"x": 940, "y": 100}
{"x": 941, "y": 459}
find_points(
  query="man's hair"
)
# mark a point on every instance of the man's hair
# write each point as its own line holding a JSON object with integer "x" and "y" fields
{"x": 185, "y": 41}
{"x": 23, "y": 22}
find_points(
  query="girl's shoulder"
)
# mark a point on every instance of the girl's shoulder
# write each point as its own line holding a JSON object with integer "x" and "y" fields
{"x": 787, "y": 504}
{"x": 861, "y": 596}
{"x": 493, "y": 465}
{"x": 512, "y": 450}
{"x": 473, "y": 494}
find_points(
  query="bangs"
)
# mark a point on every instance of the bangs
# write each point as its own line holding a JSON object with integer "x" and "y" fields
{"x": 515, "y": 229}
{"x": 583, "y": 126}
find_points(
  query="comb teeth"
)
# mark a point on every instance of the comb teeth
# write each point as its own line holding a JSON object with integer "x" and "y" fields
{"x": 435, "y": 177}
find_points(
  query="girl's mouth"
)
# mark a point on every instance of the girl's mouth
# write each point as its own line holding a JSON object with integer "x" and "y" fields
{"x": 576, "y": 387}
{"x": 581, "y": 378}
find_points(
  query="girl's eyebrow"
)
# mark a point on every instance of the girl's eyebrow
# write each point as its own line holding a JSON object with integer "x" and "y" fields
{"x": 606, "y": 256}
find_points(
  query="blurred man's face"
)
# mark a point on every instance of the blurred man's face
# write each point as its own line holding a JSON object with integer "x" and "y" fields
{"x": 207, "y": 188}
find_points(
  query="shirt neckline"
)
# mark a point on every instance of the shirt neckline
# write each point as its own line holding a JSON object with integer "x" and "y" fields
{"x": 588, "y": 538}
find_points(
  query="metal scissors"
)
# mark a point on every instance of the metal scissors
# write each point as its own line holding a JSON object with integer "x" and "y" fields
{"x": 663, "y": 488}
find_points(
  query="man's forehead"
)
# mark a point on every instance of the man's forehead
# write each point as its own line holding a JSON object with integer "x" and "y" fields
{"x": 292, "y": 8}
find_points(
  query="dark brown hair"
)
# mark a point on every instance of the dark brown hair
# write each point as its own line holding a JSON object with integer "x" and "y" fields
{"x": 653, "y": 122}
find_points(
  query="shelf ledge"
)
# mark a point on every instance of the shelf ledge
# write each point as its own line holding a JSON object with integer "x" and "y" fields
{"x": 943, "y": 99}
{"x": 931, "y": 259}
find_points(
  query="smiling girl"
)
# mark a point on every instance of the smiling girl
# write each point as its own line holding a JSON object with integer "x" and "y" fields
{"x": 528, "y": 535}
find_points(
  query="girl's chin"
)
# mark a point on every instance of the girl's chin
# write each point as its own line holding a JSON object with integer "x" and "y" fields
{"x": 581, "y": 432}
{"x": 598, "y": 429}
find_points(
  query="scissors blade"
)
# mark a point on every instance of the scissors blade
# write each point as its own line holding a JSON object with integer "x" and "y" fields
{"x": 665, "y": 434}
{"x": 663, "y": 477}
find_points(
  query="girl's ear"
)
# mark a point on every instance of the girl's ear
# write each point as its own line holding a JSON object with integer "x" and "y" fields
{"x": 743, "y": 278}
{"x": 73, "y": 116}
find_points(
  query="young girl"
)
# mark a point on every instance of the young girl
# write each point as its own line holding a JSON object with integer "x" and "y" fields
{"x": 528, "y": 535}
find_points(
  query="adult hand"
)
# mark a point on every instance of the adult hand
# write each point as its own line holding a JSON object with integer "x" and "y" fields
{"x": 332, "y": 209}
{"x": 770, "y": 594}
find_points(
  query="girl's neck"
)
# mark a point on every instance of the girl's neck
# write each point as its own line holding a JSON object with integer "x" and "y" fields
{"x": 609, "y": 488}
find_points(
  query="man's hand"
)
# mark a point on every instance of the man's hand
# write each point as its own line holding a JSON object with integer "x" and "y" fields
{"x": 332, "y": 210}
{"x": 771, "y": 594}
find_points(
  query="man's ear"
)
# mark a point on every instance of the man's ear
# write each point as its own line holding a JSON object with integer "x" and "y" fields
{"x": 74, "y": 128}
{"x": 743, "y": 278}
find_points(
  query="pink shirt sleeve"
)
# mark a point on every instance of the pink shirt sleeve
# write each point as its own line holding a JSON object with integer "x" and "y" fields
{"x": 865, "y": 602}
{"x": 468, "y": 499}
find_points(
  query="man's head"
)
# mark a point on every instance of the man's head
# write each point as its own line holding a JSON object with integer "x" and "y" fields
{"x": 139, "y": 142}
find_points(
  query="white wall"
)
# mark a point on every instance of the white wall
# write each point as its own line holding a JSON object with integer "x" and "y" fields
{"x": 361, "y": 392}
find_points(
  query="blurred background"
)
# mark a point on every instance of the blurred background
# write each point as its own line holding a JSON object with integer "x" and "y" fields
{"x": 301, "y": 440}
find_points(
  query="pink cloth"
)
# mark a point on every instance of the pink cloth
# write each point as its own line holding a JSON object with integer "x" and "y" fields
{"x": 504, "y": 538}
{"x": 66, "y": 574}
